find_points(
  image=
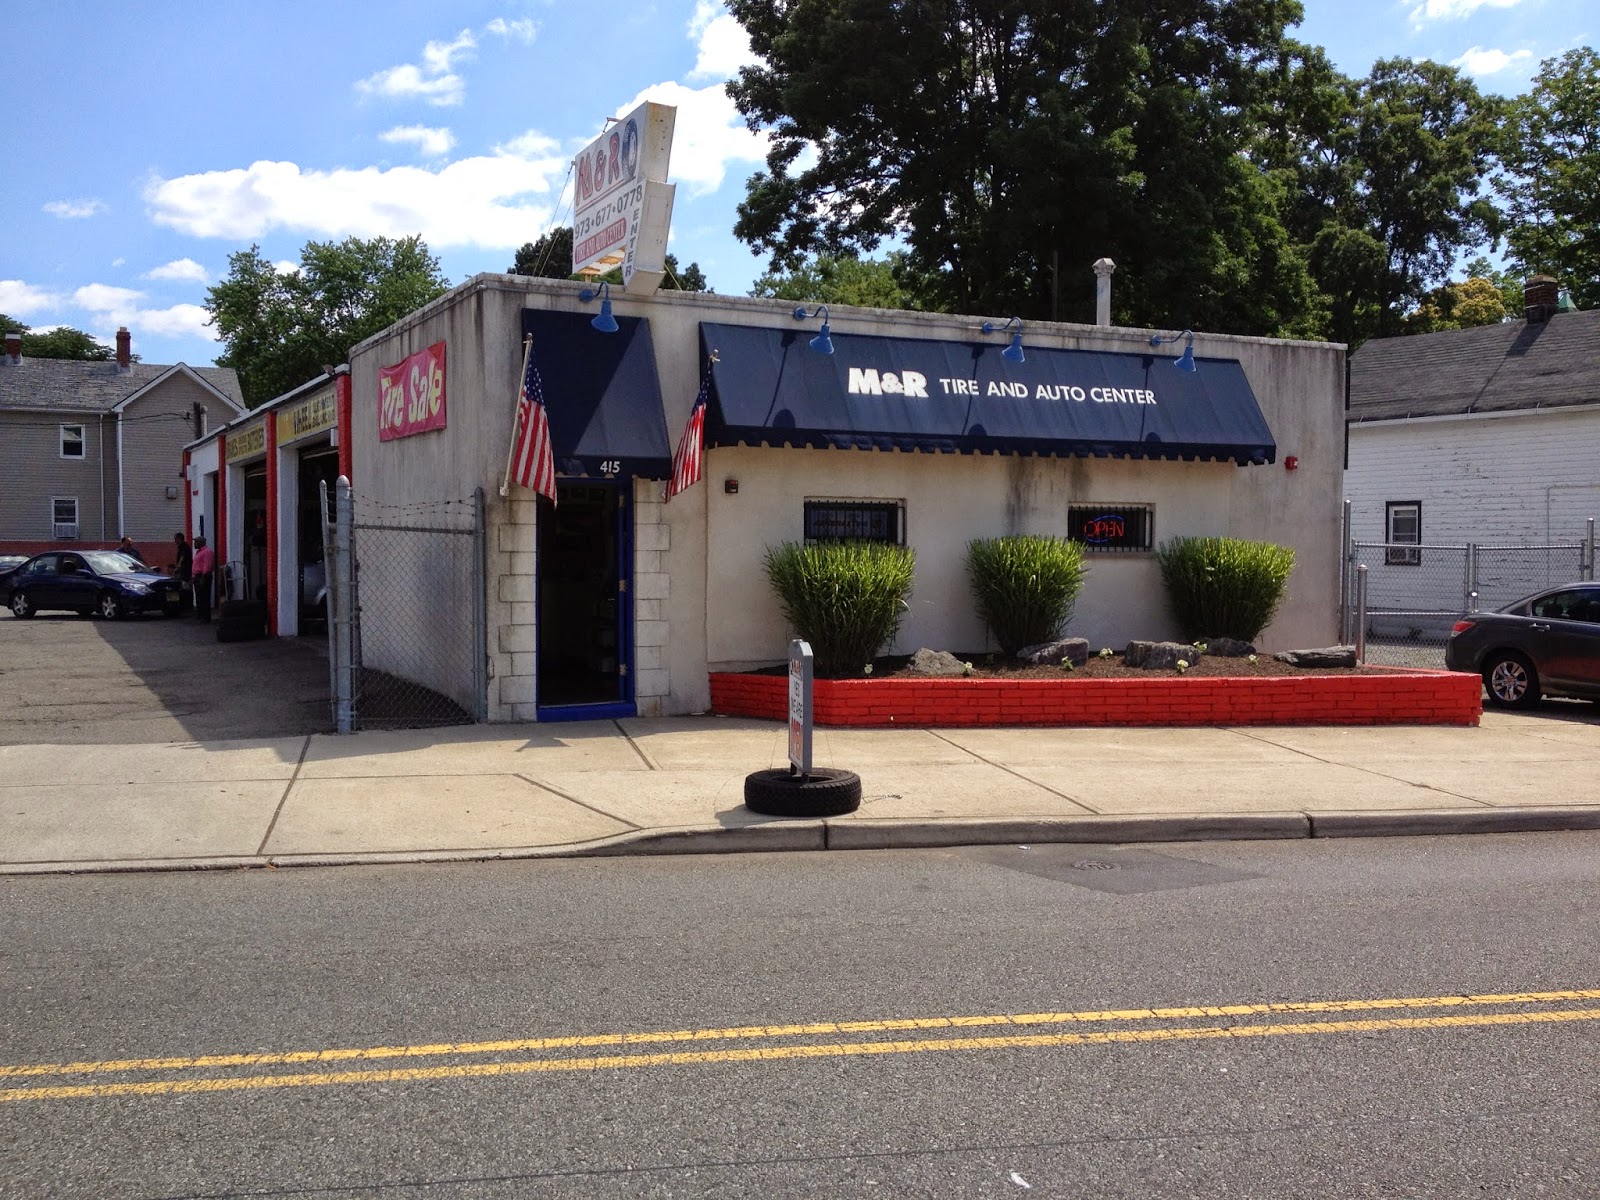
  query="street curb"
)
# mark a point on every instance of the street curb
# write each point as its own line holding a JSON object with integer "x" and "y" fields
{"x": 905, "y": 834}
{"x": 884, "y": 833}
{"x": 1426, "y": 822}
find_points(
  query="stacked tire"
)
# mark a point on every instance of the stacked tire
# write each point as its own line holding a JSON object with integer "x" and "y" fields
{"x": 241, "y": 620}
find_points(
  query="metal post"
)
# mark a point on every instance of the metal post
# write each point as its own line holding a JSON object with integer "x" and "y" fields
{"x": 1361, "y": 614}
{"x": 1344, "y": 577}
{"x": 480, "y": 611}
{"x": 343, "y": 656}
{"x": 1469, "y": 582}
{"x": 1589, "y": 572}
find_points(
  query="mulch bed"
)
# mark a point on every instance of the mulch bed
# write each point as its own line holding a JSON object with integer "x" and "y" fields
{"x": 992, "y": 665}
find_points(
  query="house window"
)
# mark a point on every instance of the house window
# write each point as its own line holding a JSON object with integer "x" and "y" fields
{"x": 64, "y": 517}
{"x": 856, "y": 521}
{"x": 1111, "y": 526}
{"x": 1403, "y": 527}
{"x": 72, "y": 441}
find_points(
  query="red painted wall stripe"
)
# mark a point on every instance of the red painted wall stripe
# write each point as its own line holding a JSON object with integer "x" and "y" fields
{"x": 342, "y": 401}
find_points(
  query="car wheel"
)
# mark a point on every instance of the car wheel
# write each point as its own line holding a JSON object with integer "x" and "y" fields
{"x": 21, "y": 606}
{"x": 1511, "y": 680}
{"x": 109, "y": 607}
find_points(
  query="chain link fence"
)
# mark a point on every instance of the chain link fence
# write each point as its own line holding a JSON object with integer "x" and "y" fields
{"x": 410, "y": 614}
{"x": 1415, "y": 593}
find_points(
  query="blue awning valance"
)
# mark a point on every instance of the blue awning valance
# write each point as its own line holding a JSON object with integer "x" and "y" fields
{"x": 602, "y": 395}
{"x": 958, "y": 397}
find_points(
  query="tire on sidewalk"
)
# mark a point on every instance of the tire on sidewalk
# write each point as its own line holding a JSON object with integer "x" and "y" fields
{"x": 828, "y": 792}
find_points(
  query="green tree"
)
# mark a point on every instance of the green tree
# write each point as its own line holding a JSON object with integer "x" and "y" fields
{"x": 1384, "y": 180}
{"x": 1507, "y": 283}
{"x": 60, "y": 342}
{"x": 1009, "y": 141}
{"x": 1550, "y": 183}
{"x": 1465, "y": 305}
{"x": 551, "y": 258}
{"x": 840, "y": 279}
{"x": 281, "y": 328}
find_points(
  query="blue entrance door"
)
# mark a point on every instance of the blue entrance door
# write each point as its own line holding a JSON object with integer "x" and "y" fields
{"x": 584, "y": 603}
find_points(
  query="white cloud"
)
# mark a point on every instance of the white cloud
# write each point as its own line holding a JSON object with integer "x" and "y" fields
{"x": 18, "y": 299}
{"x": 707, "y": 136}
{"x": 434, "y": 81}
{"x": 522, "y": 31}
{"x": 69, "y": 210}
{"x": 723, "y": 43}
{"x": 1454, "y": 10}
{"x": 431, "y": 143}
{"x": 183, "y": 270}
{"x": 1478, "y": 61}
{"x": 407, "y": 81}
{"x": 120, "y": 306}
{"x": 285, "y": 267}
{"x": 117, "y": 262}
{"x": 490, "y": 201}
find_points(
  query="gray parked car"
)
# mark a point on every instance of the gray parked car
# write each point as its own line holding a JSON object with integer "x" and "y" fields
{"x": 1547, "y": 644}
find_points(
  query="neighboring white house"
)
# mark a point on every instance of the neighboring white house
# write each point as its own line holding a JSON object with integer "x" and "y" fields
{"x": 1486, "y": 436}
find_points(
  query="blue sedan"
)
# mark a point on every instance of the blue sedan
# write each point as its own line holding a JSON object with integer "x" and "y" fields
{"x": 99, "y": 582}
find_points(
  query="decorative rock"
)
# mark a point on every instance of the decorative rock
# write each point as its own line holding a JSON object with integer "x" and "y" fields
{"x": 935, "y": 662}
{"x": 1053, "y": 654}
{"x": 1226, "y": 647}
{"x": 1327, "y": 656}
{"x": 1158, "y": 656}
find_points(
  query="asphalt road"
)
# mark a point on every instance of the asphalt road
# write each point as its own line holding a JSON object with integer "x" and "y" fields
{"x": 68, "y": 679}
{"x": 978, "y": 1022}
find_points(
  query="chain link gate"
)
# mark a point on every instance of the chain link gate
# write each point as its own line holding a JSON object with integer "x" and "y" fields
{"x": 1415, "y": 593}
{"x": 408, "y": 613}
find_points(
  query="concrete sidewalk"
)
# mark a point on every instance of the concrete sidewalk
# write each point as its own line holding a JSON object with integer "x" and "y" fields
{"x": 676, "y": 786}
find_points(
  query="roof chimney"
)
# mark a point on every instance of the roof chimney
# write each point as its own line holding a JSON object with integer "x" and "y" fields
{"x": 124, "y": 349}
{"x": 1103, "y": 270}
{"x": 1541, "y": 298}
{"x": 13, "y": 349}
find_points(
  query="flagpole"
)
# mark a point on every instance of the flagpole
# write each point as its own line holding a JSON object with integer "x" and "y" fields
{"x": 522, "y": 382}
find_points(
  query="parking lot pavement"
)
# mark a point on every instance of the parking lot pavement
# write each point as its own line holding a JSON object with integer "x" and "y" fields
{"x": 71, "y": 679}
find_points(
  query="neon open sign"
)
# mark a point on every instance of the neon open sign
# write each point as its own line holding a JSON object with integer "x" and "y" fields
{"x": 1105, "y": 530}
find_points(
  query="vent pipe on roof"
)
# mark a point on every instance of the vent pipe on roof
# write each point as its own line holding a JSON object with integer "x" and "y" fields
{"x": 13, "y": 349}
{"x": 1103, "y": 269}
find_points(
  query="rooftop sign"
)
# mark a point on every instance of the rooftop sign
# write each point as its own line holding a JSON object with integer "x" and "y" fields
{"x": 622, "y": 203}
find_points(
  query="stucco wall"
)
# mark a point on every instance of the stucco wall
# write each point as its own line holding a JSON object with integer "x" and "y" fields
{"x": 700, "y": 598}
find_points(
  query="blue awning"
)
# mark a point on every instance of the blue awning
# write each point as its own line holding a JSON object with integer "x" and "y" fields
{"x": 602, "y": 395}
{"x": 886, "y": 393}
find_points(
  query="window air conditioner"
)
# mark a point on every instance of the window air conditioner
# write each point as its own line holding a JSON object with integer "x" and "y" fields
{"x": 65, "y": 530}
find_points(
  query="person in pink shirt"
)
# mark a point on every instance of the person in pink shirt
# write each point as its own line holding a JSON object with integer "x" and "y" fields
{"x": 204, "y": 561}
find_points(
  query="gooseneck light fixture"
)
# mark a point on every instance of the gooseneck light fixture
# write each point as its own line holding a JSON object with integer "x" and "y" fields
{"x": 604, "y": 322}
{"x": 1184, "y": 361}
{"x": 1013, "y": 352}
{"x": 823, "y": 342}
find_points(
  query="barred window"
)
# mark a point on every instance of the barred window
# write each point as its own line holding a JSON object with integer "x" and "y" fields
{"x": 855, "y": 521}
{"x": 1111, "y": 526}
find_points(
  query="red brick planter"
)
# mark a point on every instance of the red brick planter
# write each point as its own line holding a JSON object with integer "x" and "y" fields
{"x": 1389, "y": 696}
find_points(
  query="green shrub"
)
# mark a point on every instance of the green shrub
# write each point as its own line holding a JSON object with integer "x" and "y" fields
{"x": 1224, "y": 587}
{"x": 845, "y": 598}
{"x": 1025, "y": 587}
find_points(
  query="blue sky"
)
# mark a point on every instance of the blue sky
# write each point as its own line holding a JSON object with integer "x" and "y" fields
{"x": 146, "y": 142}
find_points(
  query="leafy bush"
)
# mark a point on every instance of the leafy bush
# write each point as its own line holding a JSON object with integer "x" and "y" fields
{"x": 1025, "y": 587}
{"x": 1224, "y": 587}
{"x": 845, "y": 598}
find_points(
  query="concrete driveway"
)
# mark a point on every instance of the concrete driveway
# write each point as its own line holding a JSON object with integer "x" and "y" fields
{"x": 76, "y": 680}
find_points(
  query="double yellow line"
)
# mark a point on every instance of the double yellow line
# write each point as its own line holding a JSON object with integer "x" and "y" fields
{"x": 1501, "y": 1009}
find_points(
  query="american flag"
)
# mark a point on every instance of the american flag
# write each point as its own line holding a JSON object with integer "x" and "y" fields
{"x": 690, "y": 456}
{"x": 533, "y": 462}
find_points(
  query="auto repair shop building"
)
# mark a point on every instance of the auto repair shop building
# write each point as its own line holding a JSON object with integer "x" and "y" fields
{"x": 916, "y": 429}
